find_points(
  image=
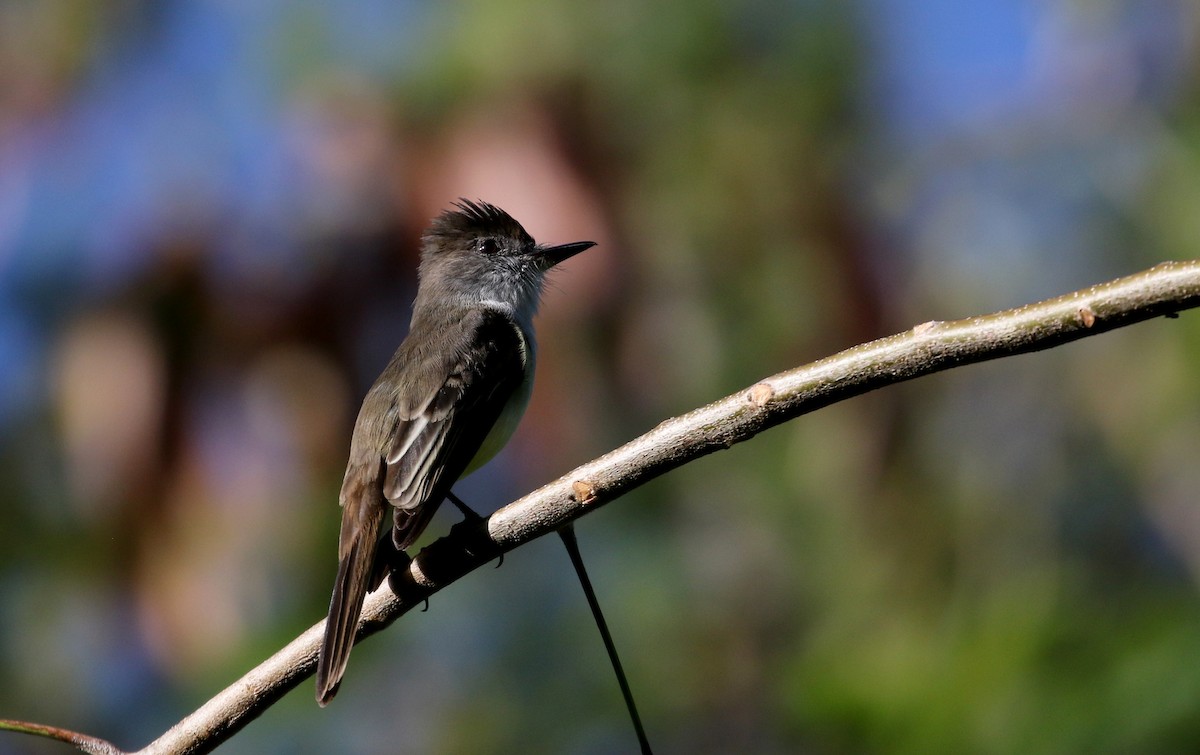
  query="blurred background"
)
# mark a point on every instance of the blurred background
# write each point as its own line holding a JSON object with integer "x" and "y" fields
{"x": 209, "y": 214}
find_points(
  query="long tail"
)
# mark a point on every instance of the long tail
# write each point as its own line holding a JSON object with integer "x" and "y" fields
{"x": 356, "y": 572}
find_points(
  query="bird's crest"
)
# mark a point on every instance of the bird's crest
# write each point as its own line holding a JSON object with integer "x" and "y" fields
{"x": 476, "y": 219}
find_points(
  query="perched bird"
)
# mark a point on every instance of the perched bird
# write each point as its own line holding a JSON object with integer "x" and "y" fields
{"x": 448, "y": 400}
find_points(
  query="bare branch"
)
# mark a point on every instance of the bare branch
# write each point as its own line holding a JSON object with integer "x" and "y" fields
{"x": 931, "y": 347}
{"x": 90, "y": 745}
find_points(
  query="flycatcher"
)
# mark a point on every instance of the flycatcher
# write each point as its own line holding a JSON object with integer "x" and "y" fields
{"x": 447, "y": 402}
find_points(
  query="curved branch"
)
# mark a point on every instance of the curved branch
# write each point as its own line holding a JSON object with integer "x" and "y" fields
{"x": 83, "y": 742}
{"x": 931, "y": 347}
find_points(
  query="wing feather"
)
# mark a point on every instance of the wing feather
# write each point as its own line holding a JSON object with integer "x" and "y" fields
{"x": 419, "y": 427}
{"x": 480, "y": 379}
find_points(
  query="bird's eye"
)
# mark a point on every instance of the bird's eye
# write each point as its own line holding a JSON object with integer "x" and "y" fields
{"x": 488, "y": 246}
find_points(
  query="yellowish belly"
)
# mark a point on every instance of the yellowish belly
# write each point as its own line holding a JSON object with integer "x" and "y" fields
{"x": 505, "y": 425}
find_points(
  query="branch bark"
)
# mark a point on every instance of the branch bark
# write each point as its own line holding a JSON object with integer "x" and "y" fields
{"x": 930, "y": 347}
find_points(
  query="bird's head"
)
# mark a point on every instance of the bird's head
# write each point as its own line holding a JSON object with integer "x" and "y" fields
{"x": 479, "y": 253}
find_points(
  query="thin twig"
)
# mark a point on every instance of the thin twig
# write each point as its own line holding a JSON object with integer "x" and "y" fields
{"x": 572, "y": 545}
{"x": 85, "y": 743}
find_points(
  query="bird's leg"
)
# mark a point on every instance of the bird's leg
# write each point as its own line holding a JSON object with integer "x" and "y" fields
{"x": 390, "y": 562}
{"x": 467, "y": 511}
{"x": 567, "y": 533}
{"x": 475, "y": 522}
{"x": 388, "y": 559}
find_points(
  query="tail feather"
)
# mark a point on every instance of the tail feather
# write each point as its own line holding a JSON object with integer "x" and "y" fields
{"x": 355, "y": 574}
{"x": 349, "y": 591}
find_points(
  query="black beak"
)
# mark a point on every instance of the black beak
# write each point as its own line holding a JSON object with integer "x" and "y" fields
{"x": 552, "y": 255}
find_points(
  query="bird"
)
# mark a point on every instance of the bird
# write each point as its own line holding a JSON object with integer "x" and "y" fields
{"x": 447, "y": 402}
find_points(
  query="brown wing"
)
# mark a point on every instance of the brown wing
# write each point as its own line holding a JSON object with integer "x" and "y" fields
{"x": 443, "y": 436}
{"x": 419, "y": 427}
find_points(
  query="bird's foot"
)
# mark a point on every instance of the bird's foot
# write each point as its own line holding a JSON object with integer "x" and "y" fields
{"x": 473, "y": 529}
{"x": 389, "y": 560}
